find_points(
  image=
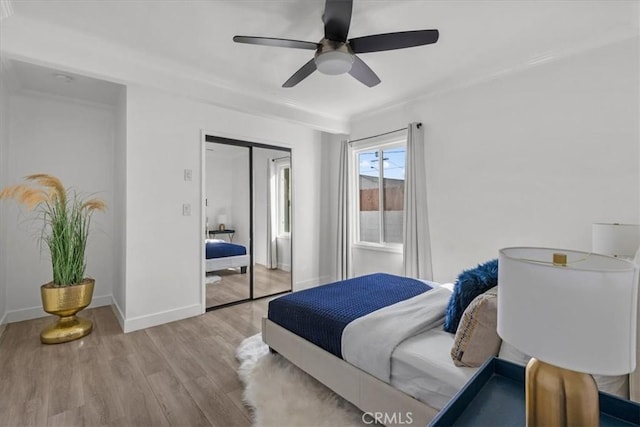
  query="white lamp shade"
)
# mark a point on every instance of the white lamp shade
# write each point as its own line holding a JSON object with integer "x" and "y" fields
{"x": 581, "y": 316}
{"x": 222, "y": 219}
{"x": 620, "y": 240}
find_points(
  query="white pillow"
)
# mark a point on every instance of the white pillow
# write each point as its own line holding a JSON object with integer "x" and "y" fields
{"x": 614, "y": 384}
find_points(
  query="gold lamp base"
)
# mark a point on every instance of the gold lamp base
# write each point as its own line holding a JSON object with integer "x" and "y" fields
{"x": 560, "y": 397}
{"x": 66, "y": 302}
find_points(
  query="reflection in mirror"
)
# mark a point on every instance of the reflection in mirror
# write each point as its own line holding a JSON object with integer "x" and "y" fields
{"x": 272, "y": 221}
{"x": 227, "y": 264}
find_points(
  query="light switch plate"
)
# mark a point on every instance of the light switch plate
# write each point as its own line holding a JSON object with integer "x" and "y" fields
{"x": 186, "y": 209}
{"x": 188, "y": 174}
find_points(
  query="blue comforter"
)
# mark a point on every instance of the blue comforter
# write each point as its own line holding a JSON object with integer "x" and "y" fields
{"x": 320, "y": 314}
{"x": 220, "y": 249}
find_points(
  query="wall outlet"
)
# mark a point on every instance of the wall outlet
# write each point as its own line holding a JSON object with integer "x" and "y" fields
{"x": 188, "y": 174}
{"x": 186, "y": 209}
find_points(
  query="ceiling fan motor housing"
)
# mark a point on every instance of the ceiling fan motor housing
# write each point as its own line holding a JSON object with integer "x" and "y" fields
{"x": 333, "y": 57}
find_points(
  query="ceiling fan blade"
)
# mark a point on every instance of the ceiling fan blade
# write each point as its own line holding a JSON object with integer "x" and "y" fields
{"x": 301, "y": 74}
{"x": 337, "y": 19}
{"x": 363, "y": 73}
{"x": 391, "y": 41}
{"x": 269, "y": 41}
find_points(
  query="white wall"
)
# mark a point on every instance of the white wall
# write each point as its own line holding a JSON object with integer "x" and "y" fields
{"x": 260, "y": 186}
{"x": 74, "y": 141}
{"x": 240, "y": 213}
{"x": 307, "y": 216}
{"x": 283, "y": 248}
{"x": 529, "y": 158}
{"x": 4, "y": 153}
{"x": 219, "y": 186}
{"x": 367, "y": 261}
{"x": 119, "y": 205}
{"x": 163, "y": 139}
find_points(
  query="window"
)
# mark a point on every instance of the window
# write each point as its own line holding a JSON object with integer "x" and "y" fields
{"x": 283, "y": 172}
{"x": 380, "y": 194}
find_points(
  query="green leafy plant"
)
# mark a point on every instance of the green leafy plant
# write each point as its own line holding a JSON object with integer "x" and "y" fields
{"x": 66, "y": 217}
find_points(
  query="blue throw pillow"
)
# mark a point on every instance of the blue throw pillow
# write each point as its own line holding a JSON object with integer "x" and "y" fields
{"x": 469, "y": 285}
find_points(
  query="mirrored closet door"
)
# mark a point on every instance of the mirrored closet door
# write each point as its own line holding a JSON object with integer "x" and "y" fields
{"x": 248, "y": 224}
{"x": 227, "y": 224}
{"x": 272, "y": 222}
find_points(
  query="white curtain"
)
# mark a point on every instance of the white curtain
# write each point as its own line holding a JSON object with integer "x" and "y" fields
{"x": 272, "y": 216}
{"x": 342, "y": 250}
{"x": 417, "y": 242}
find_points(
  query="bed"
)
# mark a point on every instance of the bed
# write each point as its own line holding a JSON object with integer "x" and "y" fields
{"x": 220, "y": 255}
{"x": 320, "y": 331}
{"x": 332, "y": 331}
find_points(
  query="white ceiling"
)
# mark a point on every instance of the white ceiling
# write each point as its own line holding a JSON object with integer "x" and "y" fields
{"x": 478, "y": 39}
{"x": 34, "y": 78}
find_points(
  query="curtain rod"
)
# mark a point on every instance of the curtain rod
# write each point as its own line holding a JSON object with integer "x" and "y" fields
{"x": 381, "y": 134}
{"x": 280, "y": 158}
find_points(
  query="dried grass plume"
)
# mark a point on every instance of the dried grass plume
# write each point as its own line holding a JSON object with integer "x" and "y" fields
{"x": 66, "y": 216}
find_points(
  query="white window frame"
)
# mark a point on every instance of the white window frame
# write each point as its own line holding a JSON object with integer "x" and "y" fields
{"x": 281, "y": 164}
{"x": 389, "y": 141}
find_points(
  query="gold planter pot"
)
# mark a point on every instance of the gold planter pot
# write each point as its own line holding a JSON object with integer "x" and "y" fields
{"x": 66, "y": 302}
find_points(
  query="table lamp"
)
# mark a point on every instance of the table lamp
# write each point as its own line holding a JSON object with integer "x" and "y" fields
{"x": 618, "y": 240}
{"x": 575, "y": 314}
{"x": 222, "y": 219}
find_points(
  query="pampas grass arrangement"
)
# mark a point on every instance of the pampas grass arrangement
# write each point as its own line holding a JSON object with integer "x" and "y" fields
{"x": 66, "y": 217}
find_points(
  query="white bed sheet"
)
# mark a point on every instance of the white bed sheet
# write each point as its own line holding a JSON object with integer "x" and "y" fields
{"x": 369, "y": 341}
{"x": 421, "y": 366}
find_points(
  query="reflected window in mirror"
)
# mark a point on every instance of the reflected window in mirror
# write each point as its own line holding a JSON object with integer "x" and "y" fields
{"x": 284, "y": 197}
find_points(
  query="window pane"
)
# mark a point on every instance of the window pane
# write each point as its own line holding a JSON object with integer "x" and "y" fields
{"x": 369, "y": 196}
{"x": 284, "y": 208}
{"x": 393, "y": 186}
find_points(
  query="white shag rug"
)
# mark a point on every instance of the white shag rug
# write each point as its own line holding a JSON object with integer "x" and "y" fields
{"x": 282, "y": 395}
{"x": 210, "y": 280}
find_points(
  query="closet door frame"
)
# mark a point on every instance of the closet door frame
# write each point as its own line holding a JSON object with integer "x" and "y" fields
{"x": 250, "y": 145}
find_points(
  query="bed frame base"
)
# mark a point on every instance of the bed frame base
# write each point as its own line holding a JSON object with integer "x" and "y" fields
{"x": 366, "y": 392}
{"x": 238, "y": 261}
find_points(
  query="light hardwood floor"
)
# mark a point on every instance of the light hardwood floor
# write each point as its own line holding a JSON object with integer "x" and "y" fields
{"x": 234, "y": 286}
{"x": 178, "y": 374}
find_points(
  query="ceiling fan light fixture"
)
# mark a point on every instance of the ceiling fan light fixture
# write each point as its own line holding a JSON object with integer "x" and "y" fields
{"x": 336, "y": 53}
{"x": 334, "y": 62}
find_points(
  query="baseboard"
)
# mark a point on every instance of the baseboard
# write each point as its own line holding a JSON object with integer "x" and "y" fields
{"x": 155, "y": 319}
{"x": 127, "y": 325}
{"x": 284, "y": 267}
{"x": 118, "y": 313}
{"x": 35, "y": 312}
{"x": 24, "y": 314}
{"x": 3, "y": 325}
{"x": 101, "y": 301}
{"x": 280, "y": 266}
{"x": 311, "y": 283}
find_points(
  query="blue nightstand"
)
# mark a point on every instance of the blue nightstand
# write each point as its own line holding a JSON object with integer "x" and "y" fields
{"x": 494, "y": 396}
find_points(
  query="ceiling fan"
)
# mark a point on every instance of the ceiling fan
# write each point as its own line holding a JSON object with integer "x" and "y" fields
{"x": 337, "y": 55}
